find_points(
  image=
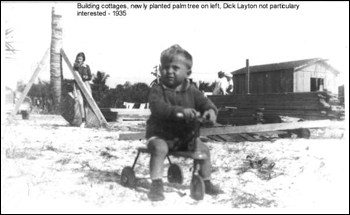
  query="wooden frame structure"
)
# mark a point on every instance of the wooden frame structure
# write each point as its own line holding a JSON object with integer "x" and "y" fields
{"x": 77, "y": 78}
{"x": 28, "y": 86}
{"x": 85, "y": 91}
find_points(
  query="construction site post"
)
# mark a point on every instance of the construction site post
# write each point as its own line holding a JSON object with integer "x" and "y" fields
{"x": 247, "y": 77}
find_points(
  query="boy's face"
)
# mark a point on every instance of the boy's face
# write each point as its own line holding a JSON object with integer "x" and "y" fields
{"x": 173, "y": 73}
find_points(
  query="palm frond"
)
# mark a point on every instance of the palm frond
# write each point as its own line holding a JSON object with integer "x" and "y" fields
{"x": 10, "y": 51}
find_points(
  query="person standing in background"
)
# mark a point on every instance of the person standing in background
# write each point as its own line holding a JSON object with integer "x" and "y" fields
{"x": 223, "y": 85}
{"x": 85, "y": 74}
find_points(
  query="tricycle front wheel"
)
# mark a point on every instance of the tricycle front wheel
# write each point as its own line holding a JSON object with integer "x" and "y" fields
{"x": 175, "y": 174}
{"x": 197, "y": 187}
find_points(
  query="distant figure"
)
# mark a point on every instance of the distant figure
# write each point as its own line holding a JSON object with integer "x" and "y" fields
{"x": 85, "y": 74}
{"x": 223, "y": 85}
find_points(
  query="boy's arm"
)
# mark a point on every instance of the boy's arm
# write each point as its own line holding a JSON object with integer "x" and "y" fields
{"x": 203, "y": 103}
{"x": 159, "y": 108}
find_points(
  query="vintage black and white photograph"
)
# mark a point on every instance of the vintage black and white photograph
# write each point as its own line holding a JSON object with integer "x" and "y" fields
{"x": 174, "y": 107}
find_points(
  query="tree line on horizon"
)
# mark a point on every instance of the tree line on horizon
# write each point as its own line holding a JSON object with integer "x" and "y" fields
{"x": 104, "y": 96}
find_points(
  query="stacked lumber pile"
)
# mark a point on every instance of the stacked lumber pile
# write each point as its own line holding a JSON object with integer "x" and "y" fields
{"x": 123, "y": 114}
{"x": 309, "y": 106}
{"x": 341, "y": 94}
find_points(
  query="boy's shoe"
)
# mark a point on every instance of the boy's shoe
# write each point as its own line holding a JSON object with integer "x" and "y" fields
{"x": 211, "y": 189}
{"x": 156, "y": 192}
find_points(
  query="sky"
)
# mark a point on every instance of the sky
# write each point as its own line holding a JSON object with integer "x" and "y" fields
{"x": 128, "y": 47}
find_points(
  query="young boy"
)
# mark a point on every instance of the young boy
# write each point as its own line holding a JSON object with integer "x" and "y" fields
{"x": 175, "y": 96}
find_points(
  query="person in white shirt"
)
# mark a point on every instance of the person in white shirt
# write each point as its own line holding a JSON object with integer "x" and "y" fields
{"x": 223, "y": 85}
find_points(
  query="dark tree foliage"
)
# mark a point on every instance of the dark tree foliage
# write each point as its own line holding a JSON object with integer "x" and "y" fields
{"x": 40, "y": 95}
{"x": 136, "y": 93}
{"x": 40, "y": 90}
{"x": 206, "y": 87}
{"x": 104, "y": 96}
{"x": 99, "y": 88}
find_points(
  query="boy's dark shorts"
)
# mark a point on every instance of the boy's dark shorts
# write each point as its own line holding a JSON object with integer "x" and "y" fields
{"x": 176, "y": 144}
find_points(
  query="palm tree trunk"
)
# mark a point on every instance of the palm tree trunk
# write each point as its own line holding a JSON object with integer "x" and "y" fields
{"x": 55, "y": 59}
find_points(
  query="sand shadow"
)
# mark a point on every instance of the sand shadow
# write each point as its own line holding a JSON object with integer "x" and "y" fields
{"x": 143, "y": 185}
{"x": 101, "y": 176}
{"x": 56, "y": 126}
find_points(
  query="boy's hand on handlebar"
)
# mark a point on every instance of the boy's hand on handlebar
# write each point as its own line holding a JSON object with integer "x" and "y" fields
{"x": 210, "y": 115}
{"x": 189, "y": 114}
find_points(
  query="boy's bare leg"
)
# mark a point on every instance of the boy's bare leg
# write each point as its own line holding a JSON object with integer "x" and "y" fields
{"x": 159, "y": 150}
{"x": 205, "y": 170}
{"x": 205, "y": 167}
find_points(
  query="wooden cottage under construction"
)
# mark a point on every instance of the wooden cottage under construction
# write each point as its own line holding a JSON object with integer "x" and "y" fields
{"x": 264, "y": 93}
{"x": 307, "y": 75}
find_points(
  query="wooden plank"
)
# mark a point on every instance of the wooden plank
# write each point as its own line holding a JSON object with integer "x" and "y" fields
{"x": 247, "y": 137}
{"x": 215, "y": 138}
{"x": 289, "y": 95}
{"x": 246, "y": 129}
{"x": 128, "y": 112}
{"x": 132, "y": 136}
{"x": 29, "y": 85}
{"x": 235, "y": 138}
{"x": 85, "y": 91}
{"x": 228, "y": 137}
{"x": 265, "y": 127}
{"x": 269, "y": 133}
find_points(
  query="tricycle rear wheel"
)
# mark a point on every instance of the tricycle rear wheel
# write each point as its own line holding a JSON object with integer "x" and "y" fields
{"x": 128, "y": 178}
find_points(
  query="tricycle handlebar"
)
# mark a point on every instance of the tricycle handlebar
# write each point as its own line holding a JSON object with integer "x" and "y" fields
{"x": 199, "y": 118}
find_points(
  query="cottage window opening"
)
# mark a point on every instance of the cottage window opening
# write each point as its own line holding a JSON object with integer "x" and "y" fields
{"x": 317, "y": 84}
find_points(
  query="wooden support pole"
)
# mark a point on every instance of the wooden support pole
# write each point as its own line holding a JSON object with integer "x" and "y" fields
{"x": 245, "y": 129}
{"x": 156, "y": 67}
{"x": 247, "y": 77}
{"x": 85, "y": 91}
{"x": 29, "y": 85}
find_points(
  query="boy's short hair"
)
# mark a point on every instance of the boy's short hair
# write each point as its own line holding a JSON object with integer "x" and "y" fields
{"x": 169, "y": 54}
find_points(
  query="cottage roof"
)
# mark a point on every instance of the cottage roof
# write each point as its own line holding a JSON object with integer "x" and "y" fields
{"x": 296, "y": 65}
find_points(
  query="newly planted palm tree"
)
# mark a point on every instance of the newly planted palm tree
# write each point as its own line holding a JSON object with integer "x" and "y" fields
{"x": 55, "y": 58}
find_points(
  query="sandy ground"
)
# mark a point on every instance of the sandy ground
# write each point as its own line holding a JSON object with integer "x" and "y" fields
{"x": 48, "y": 166}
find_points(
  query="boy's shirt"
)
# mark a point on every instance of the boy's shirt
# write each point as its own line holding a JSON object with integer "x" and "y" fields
{"x": 165, "y": 103}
